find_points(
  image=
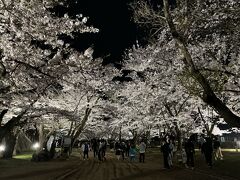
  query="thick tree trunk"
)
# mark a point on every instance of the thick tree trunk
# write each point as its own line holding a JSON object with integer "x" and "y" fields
{"x": 209, "y": 96}
{"x": 10, "y": 125}
{"x": 16, "y": 134}
{"x": 10, "y": 140}
{"x": 179, "y": 138}
{"x": 229, "y": 117}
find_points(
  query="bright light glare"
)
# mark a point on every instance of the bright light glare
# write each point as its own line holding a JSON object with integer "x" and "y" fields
{"x": 36, "y": 146}
{"x": 2, "y": 148}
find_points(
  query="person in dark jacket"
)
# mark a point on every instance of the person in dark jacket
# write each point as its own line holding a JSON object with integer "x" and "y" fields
{"x": 118, "y": 150}
{"x": 95, "y": 147}
{"x": 189, "y": 149}
{"x": 123, "y": 148}
{"x": 85, "y": 147}
{"x": 128, "y": 145}
{"x": 207, "y": 150}
{"x": 165, "y": 149}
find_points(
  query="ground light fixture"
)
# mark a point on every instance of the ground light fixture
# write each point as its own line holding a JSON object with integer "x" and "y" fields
{"x": 2, "y": 148}
{"x": 36, "y": 146}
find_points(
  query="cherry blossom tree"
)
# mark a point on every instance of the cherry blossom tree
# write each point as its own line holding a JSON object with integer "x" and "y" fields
{"x": 206, "y": 43}
{"x": 156, "y": 98}
{"x": 36, "y": 63}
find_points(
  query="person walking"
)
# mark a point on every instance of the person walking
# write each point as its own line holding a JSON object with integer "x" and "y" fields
{"x": 142, "y": 150}
{"x": 189, "y": 149}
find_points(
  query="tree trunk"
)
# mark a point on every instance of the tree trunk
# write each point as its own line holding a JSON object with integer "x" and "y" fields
{"x": 10, "y": 140}
{"x": 4, "y": 130}
{"x": 120, "y": 134}
{"x": 41, "y": 138}
{"x": 179, "y": 138}
{"x": 148, "y": 137}
{"x": 80, "y": 128}
{"x": 16, "y": 134}
{"x": 15, "y": 151}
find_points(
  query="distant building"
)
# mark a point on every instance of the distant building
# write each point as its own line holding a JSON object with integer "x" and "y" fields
{"x": 230, "y": 140}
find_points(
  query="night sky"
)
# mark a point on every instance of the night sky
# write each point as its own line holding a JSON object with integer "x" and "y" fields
{"x": 114, "y": 20}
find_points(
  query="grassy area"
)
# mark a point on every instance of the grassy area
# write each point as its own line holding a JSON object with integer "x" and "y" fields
{"x": 227, "y": 167}
{"x": 26, "y": 156}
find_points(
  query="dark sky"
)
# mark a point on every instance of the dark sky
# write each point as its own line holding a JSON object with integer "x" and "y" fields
{"x": 114, "y": 19}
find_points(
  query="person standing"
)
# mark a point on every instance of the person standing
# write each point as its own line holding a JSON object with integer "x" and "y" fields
{"x": 207, "y": 149}
{"x": 132, "y": 153}
{"x": 189, "y": 149}
{"x": 217, "y": 149}
{"x": 128, "y": 146}
{"x": 118, "y": 150}
{"x": 95, "y": 148}
{"x": 142, "y": 150}
{"x": 85, "y": 148}
{"x": 102, "y": 150}
{"x": 166, "y": 151}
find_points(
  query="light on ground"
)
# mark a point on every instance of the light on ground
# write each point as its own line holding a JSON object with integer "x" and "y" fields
{"x": 2, "y": 148}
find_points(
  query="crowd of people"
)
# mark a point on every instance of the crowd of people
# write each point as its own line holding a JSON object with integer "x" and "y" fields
{"x": 208, "y": 146}
{"x": 123, "y": 150}
{"x": 98, "y": 147}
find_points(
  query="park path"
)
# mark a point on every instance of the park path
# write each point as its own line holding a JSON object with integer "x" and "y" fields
{"x": 111, "y": 169}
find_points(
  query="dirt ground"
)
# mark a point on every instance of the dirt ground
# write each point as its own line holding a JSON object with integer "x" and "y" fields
{"x": 75, "y": 168}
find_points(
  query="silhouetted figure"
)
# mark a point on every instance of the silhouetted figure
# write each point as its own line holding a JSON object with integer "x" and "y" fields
{"x": 85, "y": 147}
{"x": 189, "y": 149}
{"x": 123, "y": 148}
{"x": 207, "y": 149}
{"x": 127, "y": 149}
{"x": 166, "y": 151}
{"x": 118, "y": 150}
{"x": 102, "y": 150}
{"x": 95, "y": 148}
